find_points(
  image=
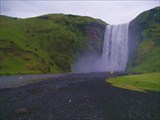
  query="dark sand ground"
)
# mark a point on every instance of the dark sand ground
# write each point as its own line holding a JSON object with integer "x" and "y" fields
{"x": 77, "y": 97}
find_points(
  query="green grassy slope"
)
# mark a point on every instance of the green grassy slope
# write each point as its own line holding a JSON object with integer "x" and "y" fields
{"x": 19, "y": 53}
{"x": 45, "y": 44}
{"x": 142, "y": 82}
{"x": 148, "y": 53}
{"x": 146, "y": 32}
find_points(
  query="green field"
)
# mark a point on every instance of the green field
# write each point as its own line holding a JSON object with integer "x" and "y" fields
{"x": 141, "y": 82}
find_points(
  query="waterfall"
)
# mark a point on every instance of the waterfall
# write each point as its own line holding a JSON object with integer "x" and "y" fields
{"x": 115, "y": 47}
{"x": 114, "y": 55}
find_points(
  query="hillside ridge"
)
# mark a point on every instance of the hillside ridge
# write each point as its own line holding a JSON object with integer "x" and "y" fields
{"x": 48, "y": 43}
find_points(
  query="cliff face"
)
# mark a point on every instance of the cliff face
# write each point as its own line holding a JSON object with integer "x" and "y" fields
{"x": 48, "y": 43}
{"x": 144, "y": 41}
{"x": 94, "y": 37}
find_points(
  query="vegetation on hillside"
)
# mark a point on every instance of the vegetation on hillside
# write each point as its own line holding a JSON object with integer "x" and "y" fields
{"x": 51, "y": 43}
{"x": 145, "y": 33}
{"x": 148, "y": 55}
{"x": 48, "y": 43}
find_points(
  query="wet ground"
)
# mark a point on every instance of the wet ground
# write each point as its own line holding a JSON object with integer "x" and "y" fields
{"x": 77, "y": 97}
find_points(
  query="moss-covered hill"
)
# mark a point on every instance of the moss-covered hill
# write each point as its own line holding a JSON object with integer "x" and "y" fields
{"x": 48, "y": 43}
{"x": 144, "y": 42}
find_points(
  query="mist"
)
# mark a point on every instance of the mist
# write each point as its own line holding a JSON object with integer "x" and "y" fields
{"x": 88, "y": 62}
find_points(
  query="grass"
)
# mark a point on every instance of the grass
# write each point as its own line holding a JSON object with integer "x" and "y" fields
{"x": 43, "y": 44}
{"x": 147, "y": 58}
{"x": 143, "y": 82}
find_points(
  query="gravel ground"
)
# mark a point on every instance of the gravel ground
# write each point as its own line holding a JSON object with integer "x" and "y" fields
{"x": 77, "y": 97}
{"x": 21, "y": 80}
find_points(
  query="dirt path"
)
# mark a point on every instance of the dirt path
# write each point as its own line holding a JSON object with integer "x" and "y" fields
{"x": 77, "y": 97}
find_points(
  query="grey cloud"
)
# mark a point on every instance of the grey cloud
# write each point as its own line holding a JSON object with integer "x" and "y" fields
{"x": 112, "y": 12}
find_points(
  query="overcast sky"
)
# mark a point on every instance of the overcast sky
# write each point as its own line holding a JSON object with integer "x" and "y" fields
{"x": 112, "y": 12}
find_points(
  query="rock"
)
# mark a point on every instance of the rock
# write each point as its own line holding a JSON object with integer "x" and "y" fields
{"x": 70, "y": 101}
{"x": 21, "y": 111}
{"x": 85, "y": 96}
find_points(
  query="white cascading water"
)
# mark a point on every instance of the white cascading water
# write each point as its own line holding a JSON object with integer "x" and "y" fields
{"x": 114, "y": 56}
{"x": 115, "y": 47}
